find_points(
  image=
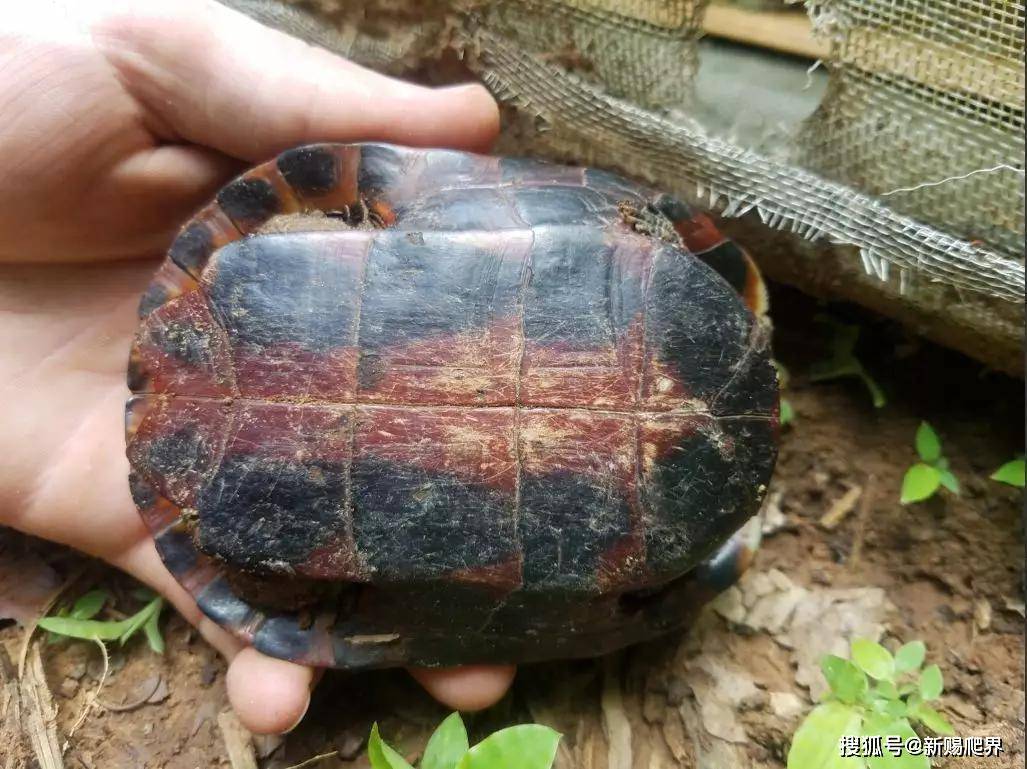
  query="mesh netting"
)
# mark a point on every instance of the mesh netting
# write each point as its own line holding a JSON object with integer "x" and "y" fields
{"x": 924, "y": 91}
{"x": 644, "y": 51}
{"x": 912, "y": 165}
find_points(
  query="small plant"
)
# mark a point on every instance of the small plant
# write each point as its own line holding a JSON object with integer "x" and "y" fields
{"x": 1012, "y": 472}
{"x": 787, "y": 413}
{"x": 875, "y": 695}
{"x": 528, "y": 746}
{"x": 78, "y": 620}
{"x": 932, "y": 472}
{"x": 843, "y": 361}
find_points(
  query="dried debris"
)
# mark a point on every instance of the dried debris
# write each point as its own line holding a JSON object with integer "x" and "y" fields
{"x": 774, "y": 519}
{"x": 12, "y": 735}
{"x": 28, "y": 715}
{"x": 151, "y": 691}
{"x": 238, "y": 741}
{"x": 615, "y": 722}
{"x": 841, "y": 507}
{"x": 27, "y": 583}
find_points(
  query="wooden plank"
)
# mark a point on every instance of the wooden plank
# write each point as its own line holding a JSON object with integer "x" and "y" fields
{"x": 788, "y": 31}
{"x": 933, "y": 64}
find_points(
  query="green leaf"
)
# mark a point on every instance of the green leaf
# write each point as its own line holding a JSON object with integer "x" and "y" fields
{"x": 876, "y": 393}
{"x": 873, "y": 659}
{"x": 1011, "y": 472}
{"x": 931, "y": 683}
{"x": 948, "y": 480}
{"x": 826, "y": 370}
{"x": 887, "y": 689}
{"x": 816, "y": 742}
{"x": 89, "y": 605}
{"x": 920, "y": 482}
{"x": 139, "y": 619}
{"x": 87, "y": 629}
{"x": 891, "y": 708}
{"x": 529, "y": 746}
{"x": 447, "y": 745}
{"x": 910, "y": 657}
{"x": 787, "y": 412}
{"x": 848, "y": 683}
{"x": 381, "y": 755}
{"x": 153, "y": 635}
{"x": 783, "y": 375}
{"x": 928, "y": 446}
{"x": 933, "y": 720}
{"x": 900, "y": 727}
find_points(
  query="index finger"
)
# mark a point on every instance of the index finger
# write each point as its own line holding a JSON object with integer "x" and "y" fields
{"x": 209, "y": 75}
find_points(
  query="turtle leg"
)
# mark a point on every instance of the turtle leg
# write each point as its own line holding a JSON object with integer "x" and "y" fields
{"x": 723, "y": 569}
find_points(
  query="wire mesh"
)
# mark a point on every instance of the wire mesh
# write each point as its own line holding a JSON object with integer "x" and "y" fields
{"x": 926, "y": 108}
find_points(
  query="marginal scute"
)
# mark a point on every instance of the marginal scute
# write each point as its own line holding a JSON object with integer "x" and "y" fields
{"x": 169, "y": 282}
{"x": 208, "y": 231}
{"x": 382, "y": 167}
{"x": 477, "y": 418}
{"x": 249, "y": 202}
{"x": 310, "y": 171}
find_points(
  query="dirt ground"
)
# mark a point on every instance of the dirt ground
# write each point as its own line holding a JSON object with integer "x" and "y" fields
{"x": 729, "y": 692}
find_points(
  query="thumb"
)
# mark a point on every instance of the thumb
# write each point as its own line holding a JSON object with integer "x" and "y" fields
{"x": 209, "y": 75}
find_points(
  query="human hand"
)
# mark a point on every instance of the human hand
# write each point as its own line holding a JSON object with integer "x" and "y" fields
{"x": 121, "y": 118}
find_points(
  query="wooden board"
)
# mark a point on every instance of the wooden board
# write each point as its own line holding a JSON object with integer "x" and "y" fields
{"x": 788, "y": 31}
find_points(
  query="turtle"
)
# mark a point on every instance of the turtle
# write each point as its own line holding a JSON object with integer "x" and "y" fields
{"x": 400, "y": 406}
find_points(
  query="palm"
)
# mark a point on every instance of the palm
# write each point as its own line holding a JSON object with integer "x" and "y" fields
{"x": 91, "y": 195}
{"x": 63, "y": 370}
{"x": 122, "y": 122}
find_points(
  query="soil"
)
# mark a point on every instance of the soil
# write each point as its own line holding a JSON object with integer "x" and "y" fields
{"x": 730, "y": 692}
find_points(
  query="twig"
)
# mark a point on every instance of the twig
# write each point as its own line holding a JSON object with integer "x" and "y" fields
{"x": 314, "y": 759}
{"x": 869, "y": 487}
{"x": 238, "y": 741}
{"x": 615, "y": 720}
{"x": 841, "y": 507}
{"x": 127, "y": 706}
{"x": 95, "y": 696}
{"x": 12, "y": 731}
{"x": 40, "y": 714}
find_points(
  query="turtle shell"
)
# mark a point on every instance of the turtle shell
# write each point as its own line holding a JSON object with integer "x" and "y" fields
{"x": 402, "y": 406}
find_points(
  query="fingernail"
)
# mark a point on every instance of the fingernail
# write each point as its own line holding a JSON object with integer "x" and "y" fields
{"x": 300, "y": 719}
{"x": 465, "y": 88}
